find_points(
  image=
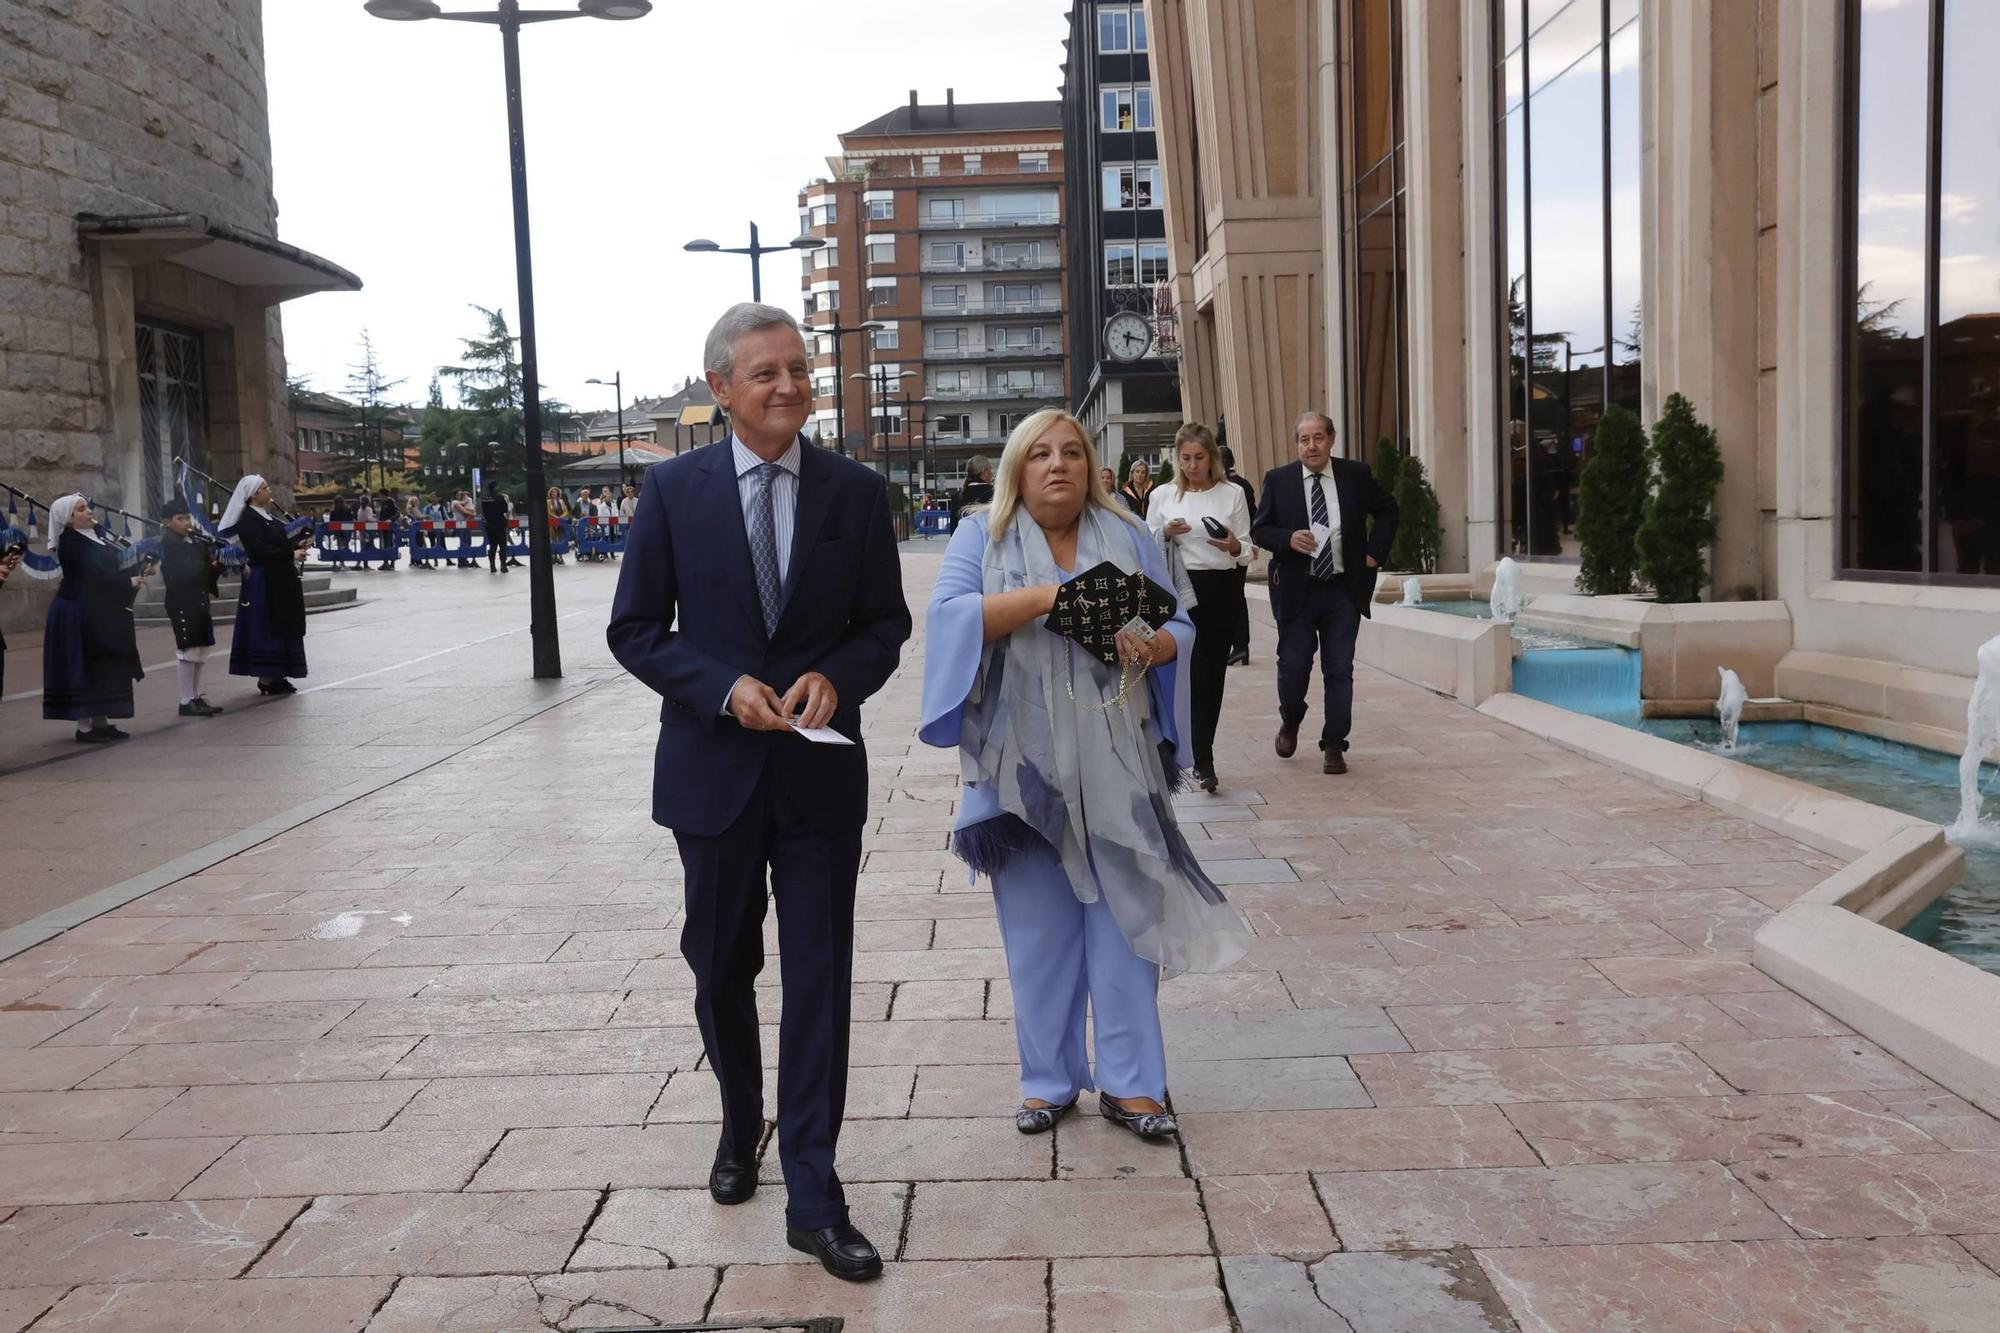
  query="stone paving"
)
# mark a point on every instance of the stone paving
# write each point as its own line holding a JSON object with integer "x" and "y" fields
{"x": 1498, "y": 1059}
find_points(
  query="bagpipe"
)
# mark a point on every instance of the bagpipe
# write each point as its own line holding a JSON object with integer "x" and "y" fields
{"x": 37, "y": 562}
{"x": 193, "y": 487}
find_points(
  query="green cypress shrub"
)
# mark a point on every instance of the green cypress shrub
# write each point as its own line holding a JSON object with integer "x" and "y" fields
{"x": 1611, "y": 504}
{"x": 1679, "y": 526}
{"x": 1388, "y": 464}
{"x": 1419, "y": 530}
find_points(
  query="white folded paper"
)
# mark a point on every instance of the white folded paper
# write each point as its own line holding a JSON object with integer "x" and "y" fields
{"x": 1321, "y": 535}
{"x": 821, "y": 735}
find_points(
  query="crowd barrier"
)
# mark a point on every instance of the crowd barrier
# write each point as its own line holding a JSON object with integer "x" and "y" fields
{"x": 441, "y": 541}
{"x": 933, "y": 522}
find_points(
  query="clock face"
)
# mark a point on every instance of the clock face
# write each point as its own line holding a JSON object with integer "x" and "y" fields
{"x": 1127, "y": 336}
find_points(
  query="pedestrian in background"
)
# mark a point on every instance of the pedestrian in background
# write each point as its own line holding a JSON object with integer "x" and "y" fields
{"x": 269, "y": 641}
{"x": 341, "y": 512}
{"x": 493, "y": 513}
{"x": 462, "y": 510}
{"x": 558, "y": 512}
{"x": 978, "y": 488}
{"x": 1239, "y": 651}
{"x": 193, "y": 579}
{"x": 90, "y": 650}
{"x": 388, "y": 511}
{"x": 1203, "y": 523}
{"x": 1138, "y": 487}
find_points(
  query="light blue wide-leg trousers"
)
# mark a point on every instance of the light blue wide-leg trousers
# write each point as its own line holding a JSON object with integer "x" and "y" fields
{"x": 1063, "y": 956}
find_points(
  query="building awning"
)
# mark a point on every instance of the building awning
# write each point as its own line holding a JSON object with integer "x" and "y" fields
{"x": 697, "y": 414}
{"x": 264, "y": 269}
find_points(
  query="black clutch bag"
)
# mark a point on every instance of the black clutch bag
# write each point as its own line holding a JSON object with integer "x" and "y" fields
{"x": 1092, "y": 607}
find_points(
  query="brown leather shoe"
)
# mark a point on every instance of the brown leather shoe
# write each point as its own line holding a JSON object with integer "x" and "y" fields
{"x": 1333, "y": 762}
{"x": 1288, "y": 741}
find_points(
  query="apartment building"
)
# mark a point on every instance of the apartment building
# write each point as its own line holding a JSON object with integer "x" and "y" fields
{"x": 936, "y": 306}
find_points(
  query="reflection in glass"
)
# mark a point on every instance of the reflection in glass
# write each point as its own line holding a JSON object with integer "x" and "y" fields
{"x": 1884, "y": 464}
{"x": 1965, "y": 412}
{"x": 1375, "y": 228}
{"x": 1622, "y": 122}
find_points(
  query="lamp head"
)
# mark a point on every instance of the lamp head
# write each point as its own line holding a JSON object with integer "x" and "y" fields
{"x": 616, "y": 9}
{"x": 403, "y": 11}
{"x": 807, "y": 242}
{"x": 872, "y": 325}
{"x": 597, "y": 381}
{"x": 703, "y": 244}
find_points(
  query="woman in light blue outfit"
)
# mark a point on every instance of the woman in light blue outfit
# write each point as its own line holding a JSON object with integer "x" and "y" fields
{"x": 1069, "y": 770}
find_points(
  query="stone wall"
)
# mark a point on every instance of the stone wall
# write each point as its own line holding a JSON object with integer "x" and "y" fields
{"x": 115, "y": 107}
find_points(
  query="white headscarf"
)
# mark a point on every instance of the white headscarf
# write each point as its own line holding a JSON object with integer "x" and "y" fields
{"x": 59, "y": 515}
{"x": 239, "y": 500}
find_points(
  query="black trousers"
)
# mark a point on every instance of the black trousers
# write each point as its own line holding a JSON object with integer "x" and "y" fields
{"x": 1241, "y": 643}
{"x": 1328, "y": 621}
{"x": 1218, "y": 605}
{"x": 811, "y": 874}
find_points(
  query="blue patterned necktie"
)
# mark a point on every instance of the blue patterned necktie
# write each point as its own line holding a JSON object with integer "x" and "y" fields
{"x": 764, "y": 545}
{"x": 1323, "y": 557}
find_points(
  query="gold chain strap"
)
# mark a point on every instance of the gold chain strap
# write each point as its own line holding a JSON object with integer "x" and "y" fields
{"x": 1126, "y": 680}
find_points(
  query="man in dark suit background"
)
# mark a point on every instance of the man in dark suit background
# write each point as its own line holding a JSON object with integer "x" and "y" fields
{"x": 1320, "y": 589}
{"x": 761, "y": 587}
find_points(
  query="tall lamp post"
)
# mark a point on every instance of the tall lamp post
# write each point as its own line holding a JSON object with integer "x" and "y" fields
{"x": 617, "y": 383}
{"x": 756, "y": 250}
{"x": 839, "y": 331}
{"x": 509, "y": 18}
{"x": 880, "y": 374}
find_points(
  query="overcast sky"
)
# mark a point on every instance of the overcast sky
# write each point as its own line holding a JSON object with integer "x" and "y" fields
{"x": 390, "y": 156}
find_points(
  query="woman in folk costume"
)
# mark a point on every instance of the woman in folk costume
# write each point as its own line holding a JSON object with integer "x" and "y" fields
{"x": 187, "y": 564}
{"x": 270, "y": 638}
{"x": 90, "y": 647}
{"x": 1069, "y": 768}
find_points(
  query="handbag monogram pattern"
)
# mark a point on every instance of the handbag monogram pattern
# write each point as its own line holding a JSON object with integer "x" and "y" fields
{"x": 1092, "y": 607}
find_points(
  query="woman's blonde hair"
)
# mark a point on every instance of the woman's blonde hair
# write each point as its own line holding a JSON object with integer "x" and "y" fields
{"x": 1193, "y": 432}
{"x": 1013, "y": 458}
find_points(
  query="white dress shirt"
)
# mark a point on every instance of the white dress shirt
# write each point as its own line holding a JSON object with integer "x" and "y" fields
{"x": 784, "y": 496}
{"x": 1222, "y": 502}
{"x": 1332, "y": 493}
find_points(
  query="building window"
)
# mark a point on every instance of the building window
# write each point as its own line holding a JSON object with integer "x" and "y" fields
{"x": 881, "y": 249}
{"x": 948, "y": 296}
{"x": 888, "y": 338}
{"x": 881, "y": 293}
{"x": 1139, "y": 42}
{"x": 945, "y": 340}
{"x": 1153, "y": 262}
{"x": 1567, "y": 232}
{"x": 825, "y": 215}
{"x": 173, "y": 410}
{"x": 1920, "y": 465}
{"x": 1114, "y": 30}
{"x": 944, "y": 210}
{"x": 881, "y": 210}
{"x": 929, "y": 166}
{"x": 1132, "y": 186}
{"x": 947, "y": 254}
{"x": 1128, "y": 108}
{"x": 971, "y": 161}
{"x": 1015, "y": 296}
{"x": 951, "y": 423}
{"x": 826, "y": 256}
{"x": 1034, "y": 161}
{"x": 948, "y": 381}
{"x": 1120, "y": 264}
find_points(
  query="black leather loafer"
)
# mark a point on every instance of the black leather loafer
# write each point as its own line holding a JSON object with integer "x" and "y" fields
{"x": 842, "y": 1251}
{"x": 732, "y": 1182}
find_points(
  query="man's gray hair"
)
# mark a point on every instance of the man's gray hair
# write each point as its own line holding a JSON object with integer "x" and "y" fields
{"x": 719, "y": 352}
{"x": 1325, "y": 421}
{"x": 979, "y": 468}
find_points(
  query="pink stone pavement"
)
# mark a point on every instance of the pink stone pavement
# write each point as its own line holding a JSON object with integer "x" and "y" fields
{"x": 1497, "y": 1059}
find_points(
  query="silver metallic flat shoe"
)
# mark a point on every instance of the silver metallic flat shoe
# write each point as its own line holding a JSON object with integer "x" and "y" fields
{"x": 1041, "y": 1119}
{"x": 1152, "y": 1125}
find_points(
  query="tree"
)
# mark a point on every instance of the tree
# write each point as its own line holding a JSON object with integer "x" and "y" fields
{"x": 1611, "y": 504}
{"x": 1679, "y": 526}
{"x": 1419, "y": 531}
{"x": 489, "y": 395}
{"x": 1388, "y": 464}
{"x": 369, "y": 388}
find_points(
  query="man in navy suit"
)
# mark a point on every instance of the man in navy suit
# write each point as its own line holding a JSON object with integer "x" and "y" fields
{"x": 1322, "y": 582}
{"x": 761, "y": 589}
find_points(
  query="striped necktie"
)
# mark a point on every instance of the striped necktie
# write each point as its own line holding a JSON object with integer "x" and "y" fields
{"x": 1322, "y": 566}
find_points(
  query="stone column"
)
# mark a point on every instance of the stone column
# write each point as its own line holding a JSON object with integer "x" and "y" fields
{"x": 1330, "y": 146}
{"x": 1481, "y": 354}
{"x": 1187, "y": 227}
{"x": 1436, "y": 279}
{"x": 1699, "y": 323}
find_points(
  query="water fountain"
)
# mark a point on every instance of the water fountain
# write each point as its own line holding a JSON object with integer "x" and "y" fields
{"x": 1982, "y": 732}
{"x": 1729, "y": 706}
{"x": 1413, "y": 591}
{"x": 1506, "y": 595}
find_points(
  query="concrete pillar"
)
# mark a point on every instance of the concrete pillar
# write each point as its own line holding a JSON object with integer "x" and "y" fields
{"x": 1436, "y": 280}
{"x": 1699, "y": 168}
{"x": 1332, "y": 75}
{"x": 1483, "y": 347}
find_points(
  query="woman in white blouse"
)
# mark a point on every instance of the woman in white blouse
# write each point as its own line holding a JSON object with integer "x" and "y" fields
{"x": 1203, "y": 519}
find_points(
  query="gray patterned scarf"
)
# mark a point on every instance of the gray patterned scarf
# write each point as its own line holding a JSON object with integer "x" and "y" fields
{"x": 1089, "y": 776}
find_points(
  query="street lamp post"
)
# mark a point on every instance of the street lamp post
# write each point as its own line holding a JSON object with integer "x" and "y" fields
{"x": 617, "y": 383}
{"x": 840, "y": 331}
{"x": 880, "y": 374}
{"x": 509, "y": 18}
{"x": 756, "y": 250}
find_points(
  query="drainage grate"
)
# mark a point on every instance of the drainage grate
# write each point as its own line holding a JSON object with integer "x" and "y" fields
{"x": 821, "y": 1324}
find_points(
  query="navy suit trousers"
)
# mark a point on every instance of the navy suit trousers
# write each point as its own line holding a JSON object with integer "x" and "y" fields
{"x": 812, "y": 875}
{"x": 1328, "y": 621}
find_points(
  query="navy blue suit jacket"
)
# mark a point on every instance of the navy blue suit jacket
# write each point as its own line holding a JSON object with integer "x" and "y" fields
{"x": 687, "y": 621}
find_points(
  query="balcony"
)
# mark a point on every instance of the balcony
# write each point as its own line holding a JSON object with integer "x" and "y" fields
{"x": 994, "y": 393}
{"x": 1051, "y": 348}
{"x": 1032, "y": 263}
{"x": 990, "y": 221}
{"x": 1041, "y": 305}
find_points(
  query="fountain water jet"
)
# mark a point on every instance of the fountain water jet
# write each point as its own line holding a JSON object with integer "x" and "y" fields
{"x": 1729, "y": 706}
{"x": 1506, "y": 595}
{"x": 1982, "y": 732}
{"x": 1413, "y": 592}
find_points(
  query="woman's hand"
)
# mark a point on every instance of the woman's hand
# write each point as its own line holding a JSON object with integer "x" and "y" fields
{"x": 1146, "y": 653}
{"x": 1176, "y": 526}
{"x": 1229, "y": 544}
